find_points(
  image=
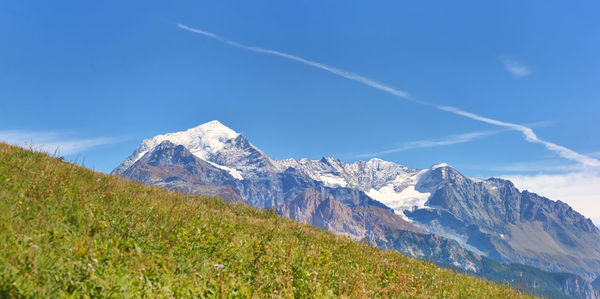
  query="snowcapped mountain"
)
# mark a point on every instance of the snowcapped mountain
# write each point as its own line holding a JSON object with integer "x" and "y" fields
{"x": 488, "y": 217}
{"x": 202, "y": 141}
{"x": 214, "y": 143}
{"x": 394, "y": 185}
{"x": 387, "y": 182}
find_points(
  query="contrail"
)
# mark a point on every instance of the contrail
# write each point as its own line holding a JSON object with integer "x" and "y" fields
{"x": 527, "y": 132}
{"x": 529, "y": 135}
{"x": 342, "y": 73}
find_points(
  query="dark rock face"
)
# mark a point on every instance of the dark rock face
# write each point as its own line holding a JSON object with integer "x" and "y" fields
{"x": 439, "y": 250}
{"x": 365, "y": 222}
{"x": 169, "y": 162}
{"x": 378, "y": 226}
{"x": 580, "y": 288}
{"x": 497, "y": 220}
{"x": 596, "y": 282}
{"x": 174, "y": 167}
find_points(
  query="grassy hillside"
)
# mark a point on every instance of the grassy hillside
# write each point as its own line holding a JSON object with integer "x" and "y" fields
{"x": 69, "y": 231}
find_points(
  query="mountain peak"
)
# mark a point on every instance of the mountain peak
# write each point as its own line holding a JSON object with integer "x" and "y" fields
{"x": 440, "y": 165}
{"x": 213, "y": 123}
{"x": 213, "y": 127}
{"x": 377, "y": 161}
{"x": 329, "y": 160}
{"x": 202, "y": 141}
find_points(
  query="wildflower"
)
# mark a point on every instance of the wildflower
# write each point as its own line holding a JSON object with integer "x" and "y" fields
{"x": 219, "y": 266}
{"x": 88, "y": 266}
{"x": 91, "y": 258}
{"x": 20, "y": 202}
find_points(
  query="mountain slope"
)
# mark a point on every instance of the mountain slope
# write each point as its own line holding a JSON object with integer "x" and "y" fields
{"x": 377, "y": 226}
{"x": 66, "y": 231}
{"x": 383, "y": 228}
{"x": 369, "y": 223}
{"x": 511, "y": 226}
{"x": 175, "y": 167}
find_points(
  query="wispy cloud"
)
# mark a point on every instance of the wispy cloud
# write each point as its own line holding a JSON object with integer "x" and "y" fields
{"x": 448, "y": 140}
{"x": 514, "y": 67}
{"x": 54, "y": 142}
{"x": 528, "y": 133}
{"x": 533, "y": 167}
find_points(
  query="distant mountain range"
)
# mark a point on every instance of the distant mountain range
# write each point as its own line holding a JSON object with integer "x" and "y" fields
{"x": 480, "y": 226}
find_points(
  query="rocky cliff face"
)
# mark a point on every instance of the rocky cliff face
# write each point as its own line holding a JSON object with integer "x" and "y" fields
{"x": 377, "y": 226}
{"x": 596, "y": 282}
{"x": 369, "y": 223}
{"x": 495, "y": 219}
{"x": 580, "y": 288}
{"x": 175, "y": 167}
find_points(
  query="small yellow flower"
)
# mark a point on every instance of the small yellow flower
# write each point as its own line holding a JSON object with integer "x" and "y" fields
{"x": 80, "y": 251}
{"x": 20, "y": 202}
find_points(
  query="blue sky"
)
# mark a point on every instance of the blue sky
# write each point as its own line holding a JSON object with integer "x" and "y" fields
{"x": 95, "y": 78}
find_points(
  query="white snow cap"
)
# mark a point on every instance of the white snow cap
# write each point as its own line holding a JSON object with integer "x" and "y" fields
{"x": 201, "y": 140}
{"x": 440, "y": 165}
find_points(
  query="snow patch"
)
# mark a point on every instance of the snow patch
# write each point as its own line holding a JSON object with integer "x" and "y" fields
{"x": 139, "y": 156}
{"x": 440, "y": 165}
{"x": 407, "y": 199}
{"x": 333, "y": 181}
{"x": 233, "y": 172}
{"x": 477, "y": 180}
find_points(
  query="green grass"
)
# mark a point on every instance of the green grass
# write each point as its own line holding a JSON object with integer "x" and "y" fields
{"x": 66, "y": 231}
